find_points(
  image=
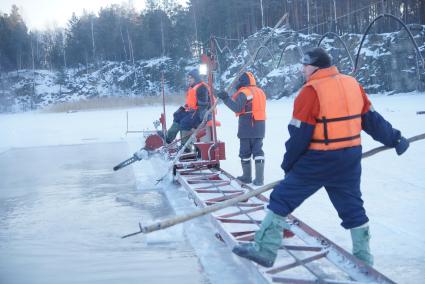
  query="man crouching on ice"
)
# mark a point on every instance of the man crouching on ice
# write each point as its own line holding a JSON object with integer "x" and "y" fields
{"x": 324, "y": 149}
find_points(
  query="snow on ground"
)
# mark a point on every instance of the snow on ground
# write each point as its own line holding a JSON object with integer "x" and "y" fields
{"x": 393, "y": 187}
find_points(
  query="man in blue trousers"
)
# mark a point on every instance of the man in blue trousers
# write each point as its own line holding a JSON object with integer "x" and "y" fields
{"x": 249, "y": 104}
{"x": 191, "y": 114}
{"x": 324, "y": 150}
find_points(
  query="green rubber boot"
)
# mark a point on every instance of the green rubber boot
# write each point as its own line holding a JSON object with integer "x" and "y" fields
{"x": 172, "y": 132}
{"x": 268, "y": 240}
{"x": 185, "y": 135}
{"x": 360, "y": 237}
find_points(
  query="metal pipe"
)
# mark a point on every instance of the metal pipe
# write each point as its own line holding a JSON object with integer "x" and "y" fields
{"x": 404, "y": 26}
{"x": 343, "y": 43}
{"x": 164, "y": 125}
{"x": 300, "y": 51}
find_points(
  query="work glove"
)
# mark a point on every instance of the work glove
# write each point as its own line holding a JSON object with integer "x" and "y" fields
{"x": 222, "y": 95}
{"x": 402, "y": 145}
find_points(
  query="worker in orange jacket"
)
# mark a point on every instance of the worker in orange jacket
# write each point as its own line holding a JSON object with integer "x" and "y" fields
{"x": 249, "y": 104}
{"x": 324, "y": 150}
{"x": 191, "y": 114}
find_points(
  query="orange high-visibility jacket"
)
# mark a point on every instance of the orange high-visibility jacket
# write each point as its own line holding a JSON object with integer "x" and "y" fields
{"x": 191, "y": 99}
{"x": 341, "y": 102}
{"x": 254, "y": 95}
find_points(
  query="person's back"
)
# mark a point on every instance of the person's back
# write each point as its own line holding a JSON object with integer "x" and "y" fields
{"x": 331, "y": 104}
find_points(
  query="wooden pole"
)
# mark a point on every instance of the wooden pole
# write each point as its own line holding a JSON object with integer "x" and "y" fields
{"x": 230, "y": 202}
{"x": 383, "y": 148}
{"x": 197, "y": 213}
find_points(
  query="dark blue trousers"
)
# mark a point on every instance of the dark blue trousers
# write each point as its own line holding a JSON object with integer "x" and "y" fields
{"x": 186, "y": 119}
{"x": 337, "y": 171}
{"x": 251, "y": 147}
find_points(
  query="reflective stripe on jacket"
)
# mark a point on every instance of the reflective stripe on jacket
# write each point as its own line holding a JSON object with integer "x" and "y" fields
{"x": 191, "y": 99}
{"x": 341, "y": 102}
{"x": 256, "y": 97}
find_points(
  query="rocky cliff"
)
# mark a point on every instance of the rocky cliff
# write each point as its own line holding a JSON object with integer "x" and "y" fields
{"x": 388, "y": 63}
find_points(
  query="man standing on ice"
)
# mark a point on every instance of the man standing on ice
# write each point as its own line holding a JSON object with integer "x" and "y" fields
{"x": 191, "y": 114}
{"x": 324, "y": 149}
{"x": 249, "y": 104}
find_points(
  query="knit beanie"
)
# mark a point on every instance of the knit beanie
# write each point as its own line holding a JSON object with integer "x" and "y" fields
{"x": 195, "y": 75}
{"x": 317, "y": 57}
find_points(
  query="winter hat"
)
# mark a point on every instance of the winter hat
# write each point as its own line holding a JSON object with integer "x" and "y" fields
{"x": 317, "y": 57}
{"x": 195, "y": 75}
{"x": 246, "y": 79}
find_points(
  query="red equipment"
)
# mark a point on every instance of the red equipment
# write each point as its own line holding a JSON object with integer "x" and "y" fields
{"x": 209, "y": 151}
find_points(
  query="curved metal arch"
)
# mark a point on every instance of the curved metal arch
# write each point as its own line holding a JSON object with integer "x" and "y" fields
{"x": 343, "y": 43}
{"x": 300, "y": 51}
{"x": 418, "y": 53}
{"x": 258, "y": 52}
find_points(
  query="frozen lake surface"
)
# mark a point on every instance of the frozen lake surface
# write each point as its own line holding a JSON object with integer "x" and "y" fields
{"x": 63, "y": 211}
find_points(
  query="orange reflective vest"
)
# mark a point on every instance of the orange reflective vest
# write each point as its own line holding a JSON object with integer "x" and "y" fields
{"x": 341, "y": 103}
{"x": 191, "y": 99}
{"x": 257, "y": 97}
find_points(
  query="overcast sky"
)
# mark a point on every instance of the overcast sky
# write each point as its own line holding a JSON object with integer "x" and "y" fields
{"x": 39, "y": 14}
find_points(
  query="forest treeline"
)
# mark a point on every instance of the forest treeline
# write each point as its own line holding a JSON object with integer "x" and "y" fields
{"x": 165, "y": 28}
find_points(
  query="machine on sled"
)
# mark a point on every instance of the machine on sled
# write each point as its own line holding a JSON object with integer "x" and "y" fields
{"x": 208, "y": 150}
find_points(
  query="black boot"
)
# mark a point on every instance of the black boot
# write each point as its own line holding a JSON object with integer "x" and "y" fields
{"x": 246, "y": 171}
{"x": 259, "y": 173}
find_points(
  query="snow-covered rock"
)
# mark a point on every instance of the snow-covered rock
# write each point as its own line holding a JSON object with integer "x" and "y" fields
{"x": 28, "y": 89}
{"x": 387, "y": 63}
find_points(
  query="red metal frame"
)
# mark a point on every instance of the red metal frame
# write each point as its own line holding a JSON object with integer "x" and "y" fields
{"x": 211, "y": 152}
{"x": 322, "y": 260}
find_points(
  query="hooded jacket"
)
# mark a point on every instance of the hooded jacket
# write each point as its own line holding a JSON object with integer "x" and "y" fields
{"x": 249, "y": 104}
